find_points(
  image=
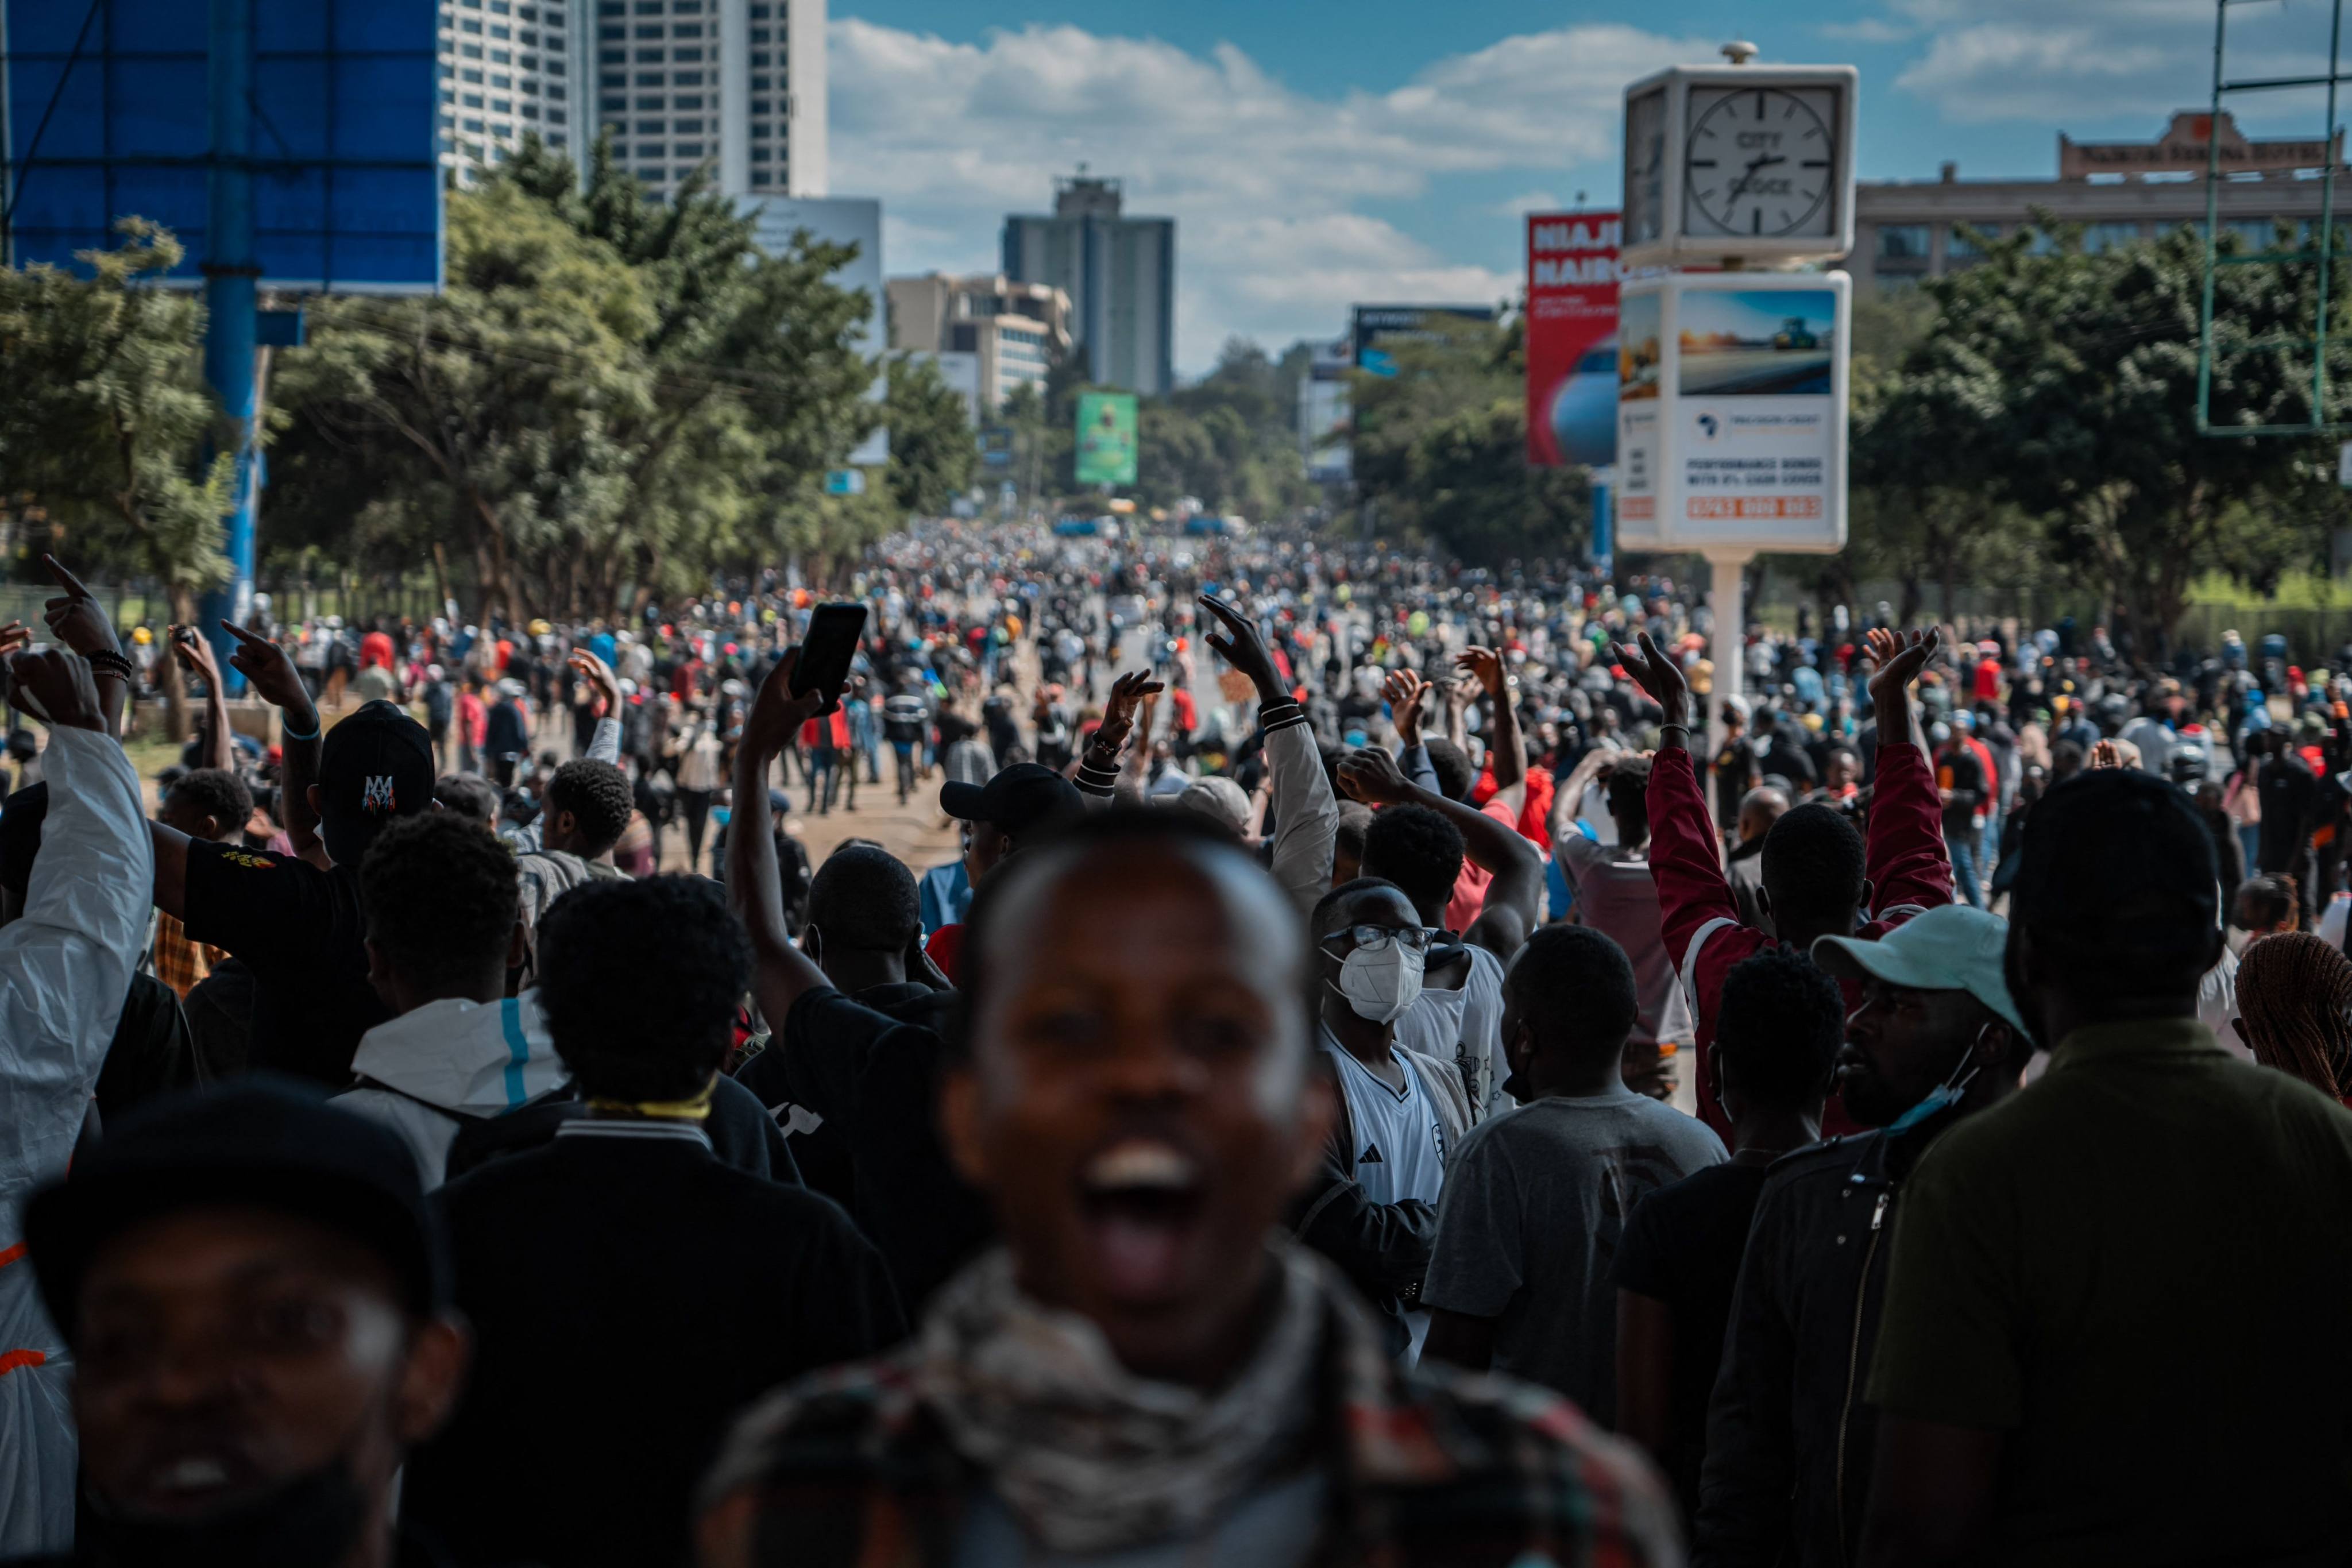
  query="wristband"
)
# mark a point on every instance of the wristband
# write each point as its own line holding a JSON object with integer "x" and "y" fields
{"x": 1665, "y": 730}
{"x": 113, "y": 664}
{"x": 286, "y": 731}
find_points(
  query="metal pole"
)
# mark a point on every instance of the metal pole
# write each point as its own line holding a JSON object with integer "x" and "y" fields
{"x": 1604, "y": 523}
{"x": 1724, "y": 586}
{"x": 232, "y": 274}
{"x": 2212, "y": 223}
{"x": 2327, "y": 221}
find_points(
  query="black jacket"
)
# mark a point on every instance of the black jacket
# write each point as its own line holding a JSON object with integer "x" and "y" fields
{"x": 629, "y": 1294}
{"x": 1788, "y": 1439}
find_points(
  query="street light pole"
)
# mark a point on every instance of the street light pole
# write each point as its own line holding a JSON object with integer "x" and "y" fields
{"x": 232, "y": 277}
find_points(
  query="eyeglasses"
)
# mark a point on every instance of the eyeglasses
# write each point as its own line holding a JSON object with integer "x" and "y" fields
{"x": 1373, "y": 939}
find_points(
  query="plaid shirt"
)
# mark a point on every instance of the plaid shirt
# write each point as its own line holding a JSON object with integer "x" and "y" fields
{"x": 180, "y": 962}
{"x": 850, "y": 1468}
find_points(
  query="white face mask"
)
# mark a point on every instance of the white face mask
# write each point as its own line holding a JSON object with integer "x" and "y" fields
{"x": 1381, "y": 984}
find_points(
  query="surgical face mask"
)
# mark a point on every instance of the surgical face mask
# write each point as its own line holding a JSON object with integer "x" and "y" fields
{"x": 1945, "y": 1095}
{"x": 1382, "y": 984}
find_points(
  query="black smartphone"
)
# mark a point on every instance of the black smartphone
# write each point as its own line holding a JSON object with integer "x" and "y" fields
{"x": 827, "y": 651}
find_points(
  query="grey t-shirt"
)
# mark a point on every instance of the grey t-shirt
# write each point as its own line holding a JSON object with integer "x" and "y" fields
{"x": 1535, "y": 1202}
{"x": 1619, "y": 898}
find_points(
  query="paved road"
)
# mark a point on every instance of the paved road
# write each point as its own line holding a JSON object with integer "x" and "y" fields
{"x": 1748, "y": 373}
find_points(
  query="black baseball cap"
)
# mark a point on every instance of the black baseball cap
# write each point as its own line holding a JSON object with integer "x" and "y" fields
{"x": 258, "y": 1142}
{"x": 1019, "y": 798}
{"x": 373, "y": 766}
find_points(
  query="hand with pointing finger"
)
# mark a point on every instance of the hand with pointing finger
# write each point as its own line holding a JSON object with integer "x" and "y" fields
{"x": 74, "y": 616}
{"x": 271, "y": 674}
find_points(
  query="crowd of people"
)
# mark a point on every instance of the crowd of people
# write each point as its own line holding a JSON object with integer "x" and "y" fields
{"x": 1410, "y": 1067}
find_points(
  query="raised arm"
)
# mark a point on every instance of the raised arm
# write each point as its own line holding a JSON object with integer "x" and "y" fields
{"x": 66, "y": 965}
{"x": 1505, "y": 755}
{"x": 275, "y": 681}
{"x": 604, "y": 745}
{"x": 1097, "y": 777}
{"x": 782, "y": 974}
{"x": 1509, "y": 914}
{"x": 1592, "y": 768}
{"x": 196, "y": 658}
{"x": 1904, "y": 856}
{"x": 1406, "y": 690}
{"x": 1306, "y": 815}
{"x": 1683, "y": 859}
{"x": 75, "y": 620}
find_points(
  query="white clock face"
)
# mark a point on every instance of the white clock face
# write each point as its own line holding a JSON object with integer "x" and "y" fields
{"x": 1760, "y": 162}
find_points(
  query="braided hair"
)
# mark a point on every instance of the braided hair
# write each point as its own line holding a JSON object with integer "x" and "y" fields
{"x": 2294, "y": 1006}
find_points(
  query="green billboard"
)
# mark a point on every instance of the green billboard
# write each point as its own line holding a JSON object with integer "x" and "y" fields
{"x": 1106, "y": 439}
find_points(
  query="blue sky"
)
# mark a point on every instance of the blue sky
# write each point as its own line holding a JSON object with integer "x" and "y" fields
{"x": 1319, "y": 153}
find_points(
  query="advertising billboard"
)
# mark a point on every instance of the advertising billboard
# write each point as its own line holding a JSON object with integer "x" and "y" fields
{"x": 1571, "y": 339}
{"x": 840, "y": 220}
{"x": 108, "y": 115}
{"x": 1107, "y": 440}
{"x": 1379, "y": 329}
{"x": 1732, "y": 411}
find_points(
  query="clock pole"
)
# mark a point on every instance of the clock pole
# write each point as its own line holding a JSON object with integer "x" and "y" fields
{"x": 1726, "y": 582}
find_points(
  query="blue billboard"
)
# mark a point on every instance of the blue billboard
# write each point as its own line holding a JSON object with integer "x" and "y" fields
{"x": 109, "y": 116}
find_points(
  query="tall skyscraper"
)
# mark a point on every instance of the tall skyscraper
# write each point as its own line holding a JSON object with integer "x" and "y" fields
{"x": 736, "y": 84}
{"x": 508, "y": 67}
{"x": 1119, "y": 274}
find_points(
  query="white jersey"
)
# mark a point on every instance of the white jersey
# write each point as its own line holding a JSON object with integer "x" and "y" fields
{"x": 1400, "y": 1146}
{"x": 1465, "y": 1027}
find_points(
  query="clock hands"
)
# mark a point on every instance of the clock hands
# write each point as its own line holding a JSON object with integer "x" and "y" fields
{"x": 1740, "y": 185}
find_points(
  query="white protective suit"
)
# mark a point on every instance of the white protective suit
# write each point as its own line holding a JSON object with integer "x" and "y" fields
{"x": 64, "y": 968}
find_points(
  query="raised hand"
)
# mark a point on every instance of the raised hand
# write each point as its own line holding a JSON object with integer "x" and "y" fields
{"x": 54, "y": 686}
{"x": 1404, "y": 690}
{"x": 1127, "y": 695}
{"x": 1899, "y": 657}
{"x": 776, "y": 715}
{"x": 74, "y": 616}
{"x": 1486, "y": 666}
{"x": 195, "y": 654}
{"x": 1371, "y": 775}
{"x": 269, "y": 671}
{"x": 1243, "y": 648}
{"x": 14, "y": 636}
{"x": 1654, "y": 672}
{"x": 2107, "y": 754}
{"x": 599, "y": 676}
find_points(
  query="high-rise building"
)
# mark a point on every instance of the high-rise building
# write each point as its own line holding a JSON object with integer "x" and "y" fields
{"x": 1014, "y": 330}
{"x": 1119, "y": 274}
{"x": 507, "y": 68}
{"x": 738, "y": 85}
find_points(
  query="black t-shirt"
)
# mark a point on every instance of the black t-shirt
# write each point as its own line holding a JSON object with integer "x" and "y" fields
{"x": 1683, "y": 1247}
{"x": 298, "y": 928}
{"x": 876, "y": 1078}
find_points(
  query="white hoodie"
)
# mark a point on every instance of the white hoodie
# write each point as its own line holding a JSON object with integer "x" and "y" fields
{"x": 451, "y": 1062}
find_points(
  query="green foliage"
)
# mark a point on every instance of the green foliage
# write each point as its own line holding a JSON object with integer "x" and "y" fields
{"x": 612, "y": 394}
{"x": 933, "y": 454}
{"x": 104, "y": 417}
{"x": 1441, "y": 453}
{"x": 2046, "y": 413}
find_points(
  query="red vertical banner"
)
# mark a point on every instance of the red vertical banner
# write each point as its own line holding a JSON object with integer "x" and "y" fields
{"x": 1573, "y": 339}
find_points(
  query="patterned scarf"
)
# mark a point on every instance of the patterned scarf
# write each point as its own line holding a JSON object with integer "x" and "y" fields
{"x": 1089, "y": 1457}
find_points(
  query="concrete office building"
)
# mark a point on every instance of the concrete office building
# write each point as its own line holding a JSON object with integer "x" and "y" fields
{"x": 2121, "y": 192}
{"x": 1014, "y": 330}
{"x": 1119, "y": 274}
{"x": 736, "y": 85}
{"x": 507, "y": 68}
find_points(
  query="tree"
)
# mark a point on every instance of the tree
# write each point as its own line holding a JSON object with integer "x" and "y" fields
{"x": 2066, "y": 384}
{"x": 104, "y": 418}
{"x": 933, "y": 454}
{"x": 1440, "y": 451}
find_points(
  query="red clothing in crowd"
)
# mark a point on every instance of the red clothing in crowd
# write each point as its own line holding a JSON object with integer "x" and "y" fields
{"x": 1904, "y": 858}
{"x": 1988, "y": 688}
{"x": 1188, "y": 714}
{"x": 375, "y": 649}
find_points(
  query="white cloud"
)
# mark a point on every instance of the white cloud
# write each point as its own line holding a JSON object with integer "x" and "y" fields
{"x": 1269, "y": 184}
{"x": 2086, "y": 60}
{"x": 1527, "y": 202}
{"x": 1869, "y": 30}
